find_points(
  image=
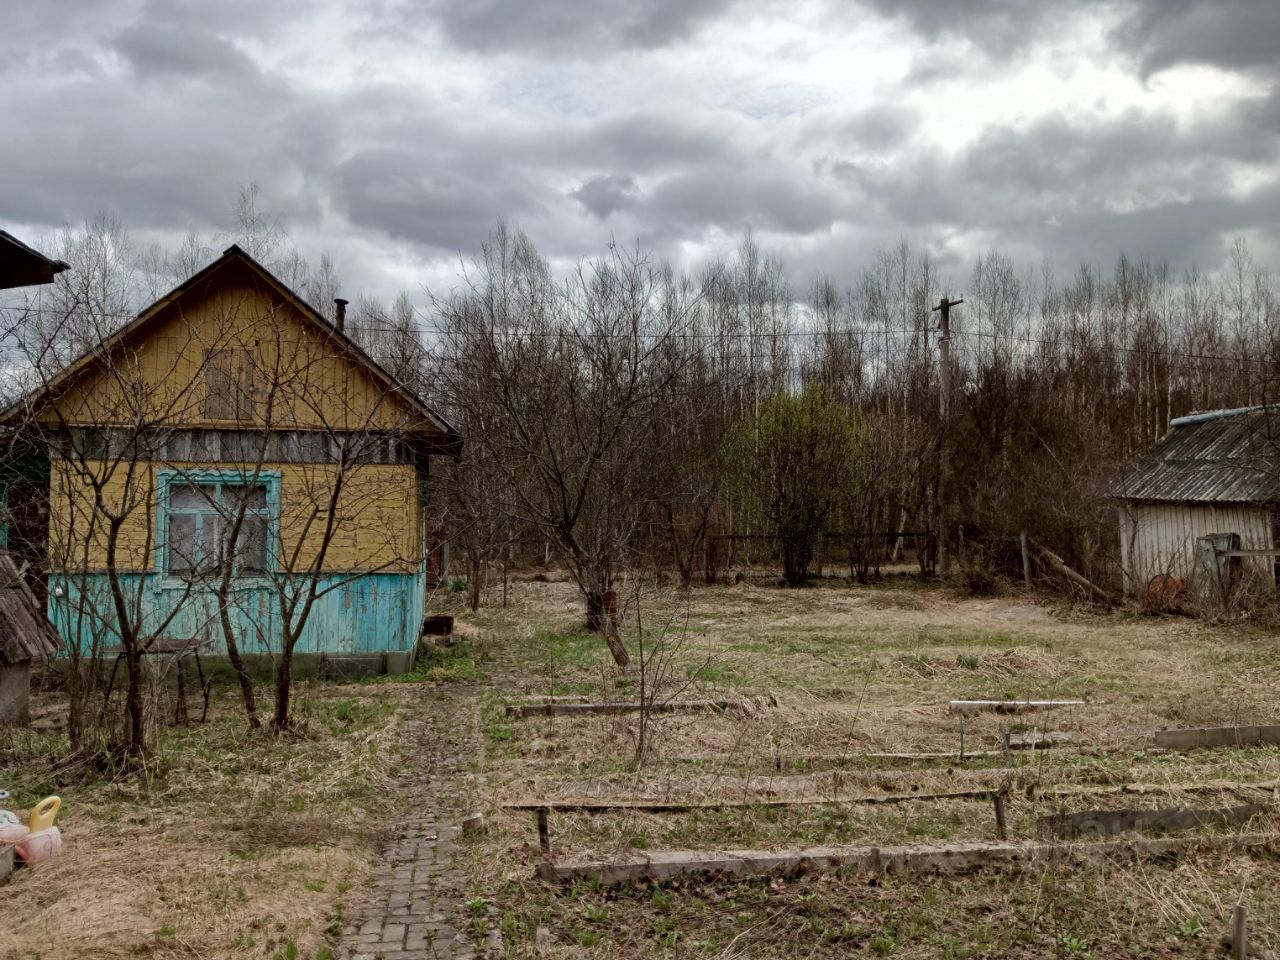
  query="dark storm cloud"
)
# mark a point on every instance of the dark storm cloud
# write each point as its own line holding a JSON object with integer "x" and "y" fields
{"x": 999, "y": 27}
{"x": 1077, "y": 188}
{"x": 1160, "y": 33}
{"x": 605, "y": 194}
{"x": 1226, "y": 33}
{"x": 582, "y": 26}
{"x": 449, "y": 205}
{"x": 174, "y": 50}
{"x": 420, "y": 138}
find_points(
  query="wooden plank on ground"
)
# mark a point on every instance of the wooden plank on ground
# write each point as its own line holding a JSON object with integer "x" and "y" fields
{"x": 1193, "y": 737}
{"x": 874, "y": 861}
{"x": 520, "y": 710}
{"x": 1091, "y": 824}
{"x": 605, "y": 804}
{"x": 592, "y": 805}
{"x": 969, "y": 707}
{"x": 1040, "y": 739}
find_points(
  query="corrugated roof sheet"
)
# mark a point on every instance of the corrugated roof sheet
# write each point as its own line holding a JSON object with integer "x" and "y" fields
{"x": 25, "y": 633}
{"x": 1227, "y": 456}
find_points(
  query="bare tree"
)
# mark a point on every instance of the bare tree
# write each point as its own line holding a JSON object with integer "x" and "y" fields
{"x": 572, "y": 373}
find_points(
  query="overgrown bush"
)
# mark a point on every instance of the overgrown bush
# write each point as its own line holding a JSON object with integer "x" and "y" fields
{"x": 977, "y": 580}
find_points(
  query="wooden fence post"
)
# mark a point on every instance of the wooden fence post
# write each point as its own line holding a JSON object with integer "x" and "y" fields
{"x": 1240, "y": 933}
{"x": 544, "y": 832}
{"x": 1002, "y": 827}
{"x": 1026, "y": 560}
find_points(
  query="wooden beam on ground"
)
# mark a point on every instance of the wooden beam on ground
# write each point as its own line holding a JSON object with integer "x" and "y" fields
{"x": 1194, "y": 737}
{"x": 1091, "y": 824}
{"x": 591, "y": 805}
{"x": 874, "y": 861}
{"x": 970, "y": 707}
{"x": 605, "y": 804}
{"x": 1040, "y": 739}
{"x": 521, "y": 710}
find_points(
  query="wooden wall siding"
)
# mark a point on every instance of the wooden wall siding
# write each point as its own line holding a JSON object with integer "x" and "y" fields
{"x": 374, "y": 613}
{"x": 379, "y": 516}
{"x": 181, "y": 445}
{"x": 1160, "y": 538}
{"x": 164, "y": 376}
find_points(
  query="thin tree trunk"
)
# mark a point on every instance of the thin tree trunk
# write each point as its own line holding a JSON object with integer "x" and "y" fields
{"x": 237, "y": 662}
{"x": 284, "y": 686}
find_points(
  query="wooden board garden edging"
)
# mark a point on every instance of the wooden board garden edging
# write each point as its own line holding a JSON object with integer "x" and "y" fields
{"x": 603, "y": 805}
{"x": 520, "y": 710}
{"x": 1217, "y": 737}
{"x": 949, "y": 858}
{"x": 969, "y": 707}
{"x": 1091, "y": 824}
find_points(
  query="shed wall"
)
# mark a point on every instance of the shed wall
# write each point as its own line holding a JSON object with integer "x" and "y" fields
{"x": 1160, "y": 538}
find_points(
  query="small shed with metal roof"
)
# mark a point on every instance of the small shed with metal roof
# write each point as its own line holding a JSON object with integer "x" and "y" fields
{"x": 25, "y": 637}
{"x": 1214, "y": 477}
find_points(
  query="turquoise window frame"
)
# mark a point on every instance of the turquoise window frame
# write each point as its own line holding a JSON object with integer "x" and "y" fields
{"x": 167, "y": 478}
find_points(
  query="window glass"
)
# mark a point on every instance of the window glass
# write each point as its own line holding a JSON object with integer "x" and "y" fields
{"x": 200, "y": 520}
{"x": 254, "y": 498}
{"x": 182, "y": 543}
{"x": 188, "y": 496}
{"x": 252, "y": 544}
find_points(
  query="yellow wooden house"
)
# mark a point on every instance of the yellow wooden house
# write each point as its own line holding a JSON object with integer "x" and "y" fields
{"x": 232, "y": 463}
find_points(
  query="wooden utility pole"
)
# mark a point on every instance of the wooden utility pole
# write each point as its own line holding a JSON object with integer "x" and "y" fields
{"x": 944, "y": 466}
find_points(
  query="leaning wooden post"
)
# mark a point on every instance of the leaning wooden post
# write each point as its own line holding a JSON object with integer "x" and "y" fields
{"x": 1002, "y": 827}
{"x": 544, "y": 832}
{"x": 1240, "y": 933}
{"x": 1026, "y": 560}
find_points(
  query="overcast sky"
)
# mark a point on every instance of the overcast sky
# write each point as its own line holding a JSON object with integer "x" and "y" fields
{"x": 394, "y": 133}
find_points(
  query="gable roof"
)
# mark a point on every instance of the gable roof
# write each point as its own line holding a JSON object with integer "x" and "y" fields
{"x": 448, "y": 440}
{"x": 1221, "y": 456}
{"x": 22, "y": 266}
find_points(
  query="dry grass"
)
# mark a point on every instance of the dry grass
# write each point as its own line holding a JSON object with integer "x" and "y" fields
{"x": 227, "y": 845}
{"x": 860, "y": 670}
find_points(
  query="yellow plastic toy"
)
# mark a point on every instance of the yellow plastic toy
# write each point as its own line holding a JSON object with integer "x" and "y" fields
{"x": 44, "y": 842}
{"x": 43, "y": 814}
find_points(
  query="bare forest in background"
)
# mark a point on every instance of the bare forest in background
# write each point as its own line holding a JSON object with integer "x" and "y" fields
{"x": 625, "y": 419}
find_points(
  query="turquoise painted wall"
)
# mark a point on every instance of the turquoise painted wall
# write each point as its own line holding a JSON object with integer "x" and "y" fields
{"x": 375, "y": 613}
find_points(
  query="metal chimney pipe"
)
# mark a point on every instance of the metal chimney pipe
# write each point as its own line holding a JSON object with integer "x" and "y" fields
{"x": 340, "y": 315}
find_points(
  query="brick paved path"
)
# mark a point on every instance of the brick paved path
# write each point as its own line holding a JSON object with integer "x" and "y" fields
{"x": 416, "y": 907}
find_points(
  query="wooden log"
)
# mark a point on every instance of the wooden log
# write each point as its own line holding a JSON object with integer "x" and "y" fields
{"x": 1194, "y": 737}
{"x": 1059, "y": 566}
{"x": 970, "y": 707}
{"x": 875, "y": 861}
{"x": 1091, "y": 824}
{"x": 522, "y": 710}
